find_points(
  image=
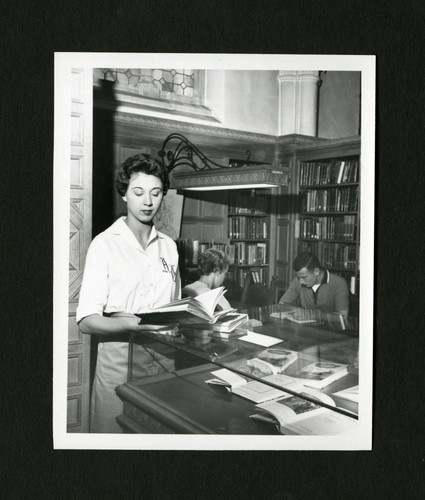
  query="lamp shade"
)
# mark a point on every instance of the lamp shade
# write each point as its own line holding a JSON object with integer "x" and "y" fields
{"x": 246, "y": 177}
{"x": 207, "y": 175}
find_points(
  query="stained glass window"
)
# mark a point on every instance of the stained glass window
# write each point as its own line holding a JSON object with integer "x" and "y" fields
{"x": 184, "y": 85}
{"x": 174, "y": 81}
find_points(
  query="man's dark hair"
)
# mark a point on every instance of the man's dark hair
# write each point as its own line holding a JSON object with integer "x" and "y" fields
{"x": 141, "y": 163}
{"x": 307, "y": 260}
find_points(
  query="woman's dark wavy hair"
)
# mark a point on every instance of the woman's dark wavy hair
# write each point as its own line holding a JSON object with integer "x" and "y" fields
{"x": 212, "y": 261}
{"x": 141, "y": 163}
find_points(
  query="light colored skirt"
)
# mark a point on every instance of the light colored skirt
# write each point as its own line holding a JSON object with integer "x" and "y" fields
{"x": 111, "y": 371}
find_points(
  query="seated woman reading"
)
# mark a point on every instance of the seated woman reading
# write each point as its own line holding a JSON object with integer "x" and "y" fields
{"x": 212, "y": 266}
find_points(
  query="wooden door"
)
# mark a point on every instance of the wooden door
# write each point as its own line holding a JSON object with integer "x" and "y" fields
{"x": 205, "y": 216}
{"x": 78, "y": 396}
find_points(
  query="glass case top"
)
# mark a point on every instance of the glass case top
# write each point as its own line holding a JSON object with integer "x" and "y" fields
{"x": 308, "y": 354}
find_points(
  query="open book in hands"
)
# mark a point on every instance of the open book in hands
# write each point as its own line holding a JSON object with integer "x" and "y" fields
{"x": 190, "y": 310}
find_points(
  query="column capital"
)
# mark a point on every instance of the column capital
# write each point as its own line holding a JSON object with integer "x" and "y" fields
{"x": 290, "y": 75}
{"x": 298, "y": 92}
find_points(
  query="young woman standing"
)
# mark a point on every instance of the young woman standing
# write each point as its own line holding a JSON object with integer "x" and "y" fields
{"x": 129, "y": 267}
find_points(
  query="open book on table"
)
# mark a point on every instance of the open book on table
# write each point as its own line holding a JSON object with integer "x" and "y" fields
{"x": 350, "y": 394}
{"x": 298, "y": 315}
{"x": 348, "y": 399}
{"x": 261, "y": 391}
{"x": 297, "y": 416}
{"x": 268, "y": 362}
{"x": 190, "y": 310}
{"x": 319, "y": 374}
{"x": 249, "y": 389}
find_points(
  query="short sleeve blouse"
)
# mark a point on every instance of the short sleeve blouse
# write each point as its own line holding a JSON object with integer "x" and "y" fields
{"x": 121, "y": 276}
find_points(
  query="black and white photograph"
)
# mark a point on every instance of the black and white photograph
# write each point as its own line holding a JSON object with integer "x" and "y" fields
{"x": 202, "y": 217}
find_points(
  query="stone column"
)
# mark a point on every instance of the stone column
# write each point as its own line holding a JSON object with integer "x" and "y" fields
{"x": 298, "y": 92}
{"x": 145, "y": 85}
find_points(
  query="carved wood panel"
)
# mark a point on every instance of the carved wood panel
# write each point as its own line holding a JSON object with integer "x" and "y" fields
{"x": 79, "y": 238}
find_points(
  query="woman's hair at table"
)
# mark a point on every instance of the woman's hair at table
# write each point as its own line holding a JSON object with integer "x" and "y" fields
{"x": 141, "y": 163}
{"x": 307, "y": 260}
{"x": 212, "y": 261}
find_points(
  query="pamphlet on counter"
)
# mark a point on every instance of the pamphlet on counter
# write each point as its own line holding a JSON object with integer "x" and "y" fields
{"x": 261, "y": 339}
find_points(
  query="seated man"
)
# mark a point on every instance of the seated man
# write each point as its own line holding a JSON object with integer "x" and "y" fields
{"x": 316, "y": 288}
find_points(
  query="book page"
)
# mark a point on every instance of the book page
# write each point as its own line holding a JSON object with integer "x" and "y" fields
{"x": 208, "y": 300}
{"x": 294, "y": 316}
{"x": 290, "y": 408}
{"x": 285, "y": 381}
{"x": 217, "y": 315}
{"x": 326, "y": 423}
{"x": 278, "y": 357}
{"x": 229, "y": 377}
{"x": 257, "y": 392}
{"x": 351, "y": 394}
{"x": 260, "y": 339}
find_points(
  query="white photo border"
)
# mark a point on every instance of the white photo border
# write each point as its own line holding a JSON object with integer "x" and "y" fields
{"x": 361, "y": 438}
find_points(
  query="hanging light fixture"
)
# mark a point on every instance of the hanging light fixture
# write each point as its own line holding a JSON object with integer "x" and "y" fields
{"x": 178, "y": 151}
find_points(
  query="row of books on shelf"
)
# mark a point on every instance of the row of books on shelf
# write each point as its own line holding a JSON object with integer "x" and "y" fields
{"x": 344, "y": 199}
{"x": 189, "y": 249}
{"x": 332, "y": 255}
{"x": 329, "y": 228}
{"x": 248, "y": 228}
{"x": 238, "y": 276}
{"x": 249, "y": 201}
{"x": 323, "y": 173}
{"x": 244, "y": 253}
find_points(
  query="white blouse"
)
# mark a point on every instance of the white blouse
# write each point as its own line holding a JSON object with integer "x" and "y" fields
{"x": 121, "y": 276}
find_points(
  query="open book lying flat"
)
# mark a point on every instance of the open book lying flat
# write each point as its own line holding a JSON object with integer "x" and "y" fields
{"x": 252, "y": 390}
{"x": 319, "y": 374}
{"x": 297, "y": 416}
{"x": 268, "y": 362}
{"x": 296, "y": 316}
{"x": 190, "y": 310}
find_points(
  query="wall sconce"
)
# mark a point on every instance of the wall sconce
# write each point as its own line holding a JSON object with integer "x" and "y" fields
{"x": 209, "y": 175}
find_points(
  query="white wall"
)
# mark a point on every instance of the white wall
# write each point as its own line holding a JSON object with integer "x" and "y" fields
{"x": 244, "y": 99}
{"x": 339, "y": 104}
{"x": 248, "y": 100}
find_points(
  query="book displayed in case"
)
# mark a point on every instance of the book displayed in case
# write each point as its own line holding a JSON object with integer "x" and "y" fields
{"x": 294, "y": 415}
{"x": 329, "y": 214}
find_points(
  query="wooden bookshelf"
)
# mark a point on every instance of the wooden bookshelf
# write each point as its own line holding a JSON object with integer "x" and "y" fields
{"x": 328, "y": 221}
{"x": 249, "y": 237}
